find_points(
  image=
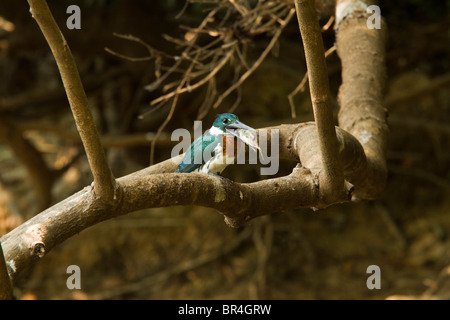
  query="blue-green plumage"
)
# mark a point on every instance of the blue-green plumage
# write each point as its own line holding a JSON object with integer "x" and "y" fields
{"x": 207, "y": 153}
{"x": 194, "y": 159}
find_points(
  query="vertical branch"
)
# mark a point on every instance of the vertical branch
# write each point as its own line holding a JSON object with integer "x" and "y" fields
{"x": 257, "y": 62}
{"x": 331, "y": 178}
{"x": 5, "y": 281}
{"x": 362, "y": 110}
{"x": 104, "y": 183}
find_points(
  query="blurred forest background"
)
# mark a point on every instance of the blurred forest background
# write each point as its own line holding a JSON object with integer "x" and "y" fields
{"x": 189, "y": 252}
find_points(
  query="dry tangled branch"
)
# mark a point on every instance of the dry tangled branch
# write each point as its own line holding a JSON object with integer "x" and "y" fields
{"x": 220, "y": 42}
{"x": 221, "y": 39}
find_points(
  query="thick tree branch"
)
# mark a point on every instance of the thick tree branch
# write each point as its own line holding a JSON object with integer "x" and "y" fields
{"x": 331, "y": 178}
{"x": 157, "y": 186}
{"x": 362, "y": 112}
{"x": 104, "y": 183}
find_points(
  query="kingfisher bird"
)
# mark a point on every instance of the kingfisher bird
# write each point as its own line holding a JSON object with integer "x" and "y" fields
{"x": 209, "y": 154}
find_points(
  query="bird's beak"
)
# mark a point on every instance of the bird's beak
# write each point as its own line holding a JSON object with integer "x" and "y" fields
{"x": 240, "y": 125}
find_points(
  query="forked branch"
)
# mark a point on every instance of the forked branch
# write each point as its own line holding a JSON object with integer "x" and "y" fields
{"x": 158, "y": 186}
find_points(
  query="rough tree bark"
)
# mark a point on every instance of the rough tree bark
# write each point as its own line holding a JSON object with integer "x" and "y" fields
{"x": 362, "y": 112}
{"x": 360, "y": 149}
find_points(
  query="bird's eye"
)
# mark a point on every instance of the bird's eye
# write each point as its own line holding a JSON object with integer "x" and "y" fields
{"x": 225, "y": 121}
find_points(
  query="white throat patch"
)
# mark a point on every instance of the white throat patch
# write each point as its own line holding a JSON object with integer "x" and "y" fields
{"x": 215, "y": 131}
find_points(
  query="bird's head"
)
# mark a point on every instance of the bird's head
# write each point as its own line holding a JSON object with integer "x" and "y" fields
{"x": 228, "y": 122}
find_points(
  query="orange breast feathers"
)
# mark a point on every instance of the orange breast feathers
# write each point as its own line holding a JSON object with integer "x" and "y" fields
{"x": 232, "y": 141}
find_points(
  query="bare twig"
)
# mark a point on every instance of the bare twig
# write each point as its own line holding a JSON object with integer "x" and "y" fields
{"x": 153, "y": 53}
{"x": 301, "y": 86}
{"x": 198, "y": 84}
{"x": 331, "y": 179}
{"x": 133, "y": 59}
{"x": 227, "y": 45}
{"x": 172, "y": 110}
{"x": 328, "y": 24}
{"x": 258, "y": 61}
{"x": 104, "y": 183}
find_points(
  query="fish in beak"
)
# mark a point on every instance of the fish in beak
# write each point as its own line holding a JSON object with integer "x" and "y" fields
{"x": 244, "y": 133}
